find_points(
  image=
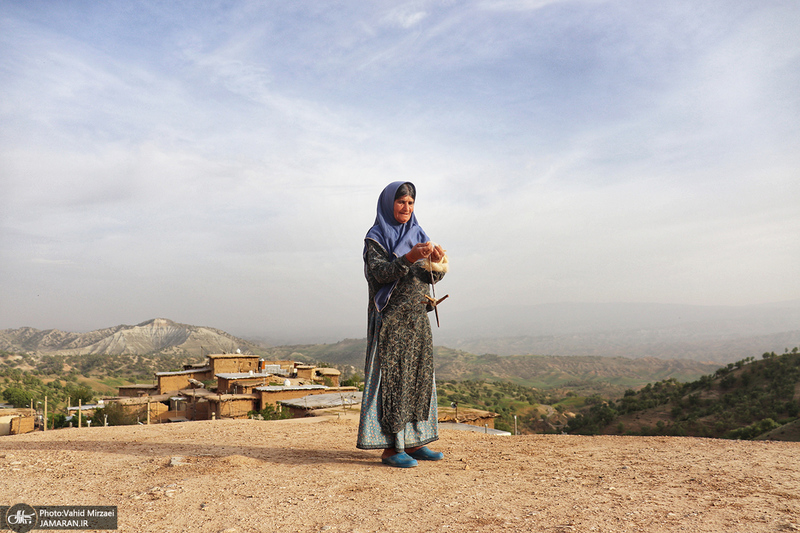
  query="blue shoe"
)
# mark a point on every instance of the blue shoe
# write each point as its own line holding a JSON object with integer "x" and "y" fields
{"x": 400, "y": 460}
{"x": 426, "y": 454}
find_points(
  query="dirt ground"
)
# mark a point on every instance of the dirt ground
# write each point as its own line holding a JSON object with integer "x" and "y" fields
{"x": 238, "y": 476}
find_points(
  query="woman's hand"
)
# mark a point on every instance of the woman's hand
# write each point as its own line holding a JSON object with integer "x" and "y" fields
{"x": 437, "y": 254}
{"x": 421, "y": 251}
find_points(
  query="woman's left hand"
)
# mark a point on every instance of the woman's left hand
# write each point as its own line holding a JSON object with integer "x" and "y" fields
{"x": 437, "y": 254}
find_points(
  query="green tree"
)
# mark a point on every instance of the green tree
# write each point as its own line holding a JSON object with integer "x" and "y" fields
{"x": 17, "y": 396}
{"x": 117, "y": 416}
{"x": 79, "y": 392}
{"x": 270, "y": 412}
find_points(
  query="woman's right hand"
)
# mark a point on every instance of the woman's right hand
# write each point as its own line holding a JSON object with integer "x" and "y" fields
{"x": 420, "y": 251}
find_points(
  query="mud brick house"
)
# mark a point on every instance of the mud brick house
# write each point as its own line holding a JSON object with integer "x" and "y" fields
{"x": 472, "y": 417}
{"x": 304, "y": 406}
{"x": 17, "y": 421}
{"x": 134, "y": 391}
{"x": 225, "y": 386}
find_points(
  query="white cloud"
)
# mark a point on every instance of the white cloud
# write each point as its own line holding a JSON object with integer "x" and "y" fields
{"x": 224, "y": 169}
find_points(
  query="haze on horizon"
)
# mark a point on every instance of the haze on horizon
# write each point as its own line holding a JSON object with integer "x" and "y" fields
{"x": 219, "y": 164}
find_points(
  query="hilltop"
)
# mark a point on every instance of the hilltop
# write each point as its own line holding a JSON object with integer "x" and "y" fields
{"x": 240, "y": 476}
{"x": 743, "y": 400}
{"x": 157, "y": 335}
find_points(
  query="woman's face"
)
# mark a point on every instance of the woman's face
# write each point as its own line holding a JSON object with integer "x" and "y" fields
{"x": 403, "y": 208}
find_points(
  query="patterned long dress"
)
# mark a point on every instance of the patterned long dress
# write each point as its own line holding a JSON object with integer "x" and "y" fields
{"x": 398, "y": 408}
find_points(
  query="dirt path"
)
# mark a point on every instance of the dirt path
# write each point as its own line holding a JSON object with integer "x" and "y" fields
{"x": 306, "y": 475}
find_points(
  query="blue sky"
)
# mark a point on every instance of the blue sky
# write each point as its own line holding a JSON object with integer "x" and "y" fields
{"x": 219, "y": 163}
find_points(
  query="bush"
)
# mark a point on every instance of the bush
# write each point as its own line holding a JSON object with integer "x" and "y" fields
{"x": 270, "y": 412}
{"x": 356, "y": 380}
{"x": 58, "y": 420}
{"x": 117, "y": 416}
{"x": 18, "y": 397}
{"x": 753, "y": 430}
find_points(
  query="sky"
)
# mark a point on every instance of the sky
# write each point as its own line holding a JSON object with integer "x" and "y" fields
{"x": 219, "y": 163}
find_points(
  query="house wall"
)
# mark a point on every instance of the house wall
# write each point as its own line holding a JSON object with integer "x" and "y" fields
{"x": 201, "y": 410}
{"x": 140, "y": 409}
{"x": 5, "y": 424}
{"x": 233, "y": 365}
{"x": 21, "y": 424}
{"x": 135, "y": 392}
{"x": 241, "y": 385}
{"x": 175, "y": 382}
{"x": 237, "y": 408}
{"x": 296, "y": 412}
{"x": 321, "y": 374}
{"x": 482, "y": 422}
{"x": 164, "y": 416}
{"x": 285, "y": 365}
{"x": 477, "y": 421}
{"x": 273, "y": 397}
{"x": 305, "y": 372}
{"x": 472, "y": 417}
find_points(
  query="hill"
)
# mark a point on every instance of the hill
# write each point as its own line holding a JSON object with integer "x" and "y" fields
{"x": 592, "y": 374}
{"x": 161, "y": 344}
{"x": 741, "y": 400}
{"x": 634, "y": 344}
{"x": 158, "y": 335}
{"x": 722, "y": 334}
{"x": 241, "y": 476}
{"x": 564, "y": 371}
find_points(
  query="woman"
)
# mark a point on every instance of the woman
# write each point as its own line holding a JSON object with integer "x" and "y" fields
{"x": 398, "y": 409}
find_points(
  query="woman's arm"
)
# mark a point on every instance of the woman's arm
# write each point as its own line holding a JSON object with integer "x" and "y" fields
{"x": 383, "y": 269}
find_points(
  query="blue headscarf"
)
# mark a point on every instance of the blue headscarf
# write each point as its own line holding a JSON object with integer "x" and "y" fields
{"x": 396, "y": 238}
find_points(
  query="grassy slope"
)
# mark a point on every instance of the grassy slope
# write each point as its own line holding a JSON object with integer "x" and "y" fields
{"x": 754, "y": 395}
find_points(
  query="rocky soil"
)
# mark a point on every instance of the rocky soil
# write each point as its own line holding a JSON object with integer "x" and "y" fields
{"x": 306, "y": 475}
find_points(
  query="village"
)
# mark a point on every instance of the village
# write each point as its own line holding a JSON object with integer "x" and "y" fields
{"x": 230, "y": 386}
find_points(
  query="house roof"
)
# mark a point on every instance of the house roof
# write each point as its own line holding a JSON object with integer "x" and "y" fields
{"x": 229, "y": 397}
{"x": 324, "y": 401}
{"x": 475, "y": 429}
{"x": 184, "y": 372}
{"x": 195, "y": 393}
{"x": 242, "y": 375}
{"x": 86, "y": 407}
{"x": 278, "y": 388}
{"x": 448, "y": 414}
{"x": 231, "y": 356}
{"x": 276, "y": 369}
{"x": 142, "y": 399}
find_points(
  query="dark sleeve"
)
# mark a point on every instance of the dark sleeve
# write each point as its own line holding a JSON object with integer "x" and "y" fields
{"x": 381, "y": 267}
{"x": 424, "y": 275}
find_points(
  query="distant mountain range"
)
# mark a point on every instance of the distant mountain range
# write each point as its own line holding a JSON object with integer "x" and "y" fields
{"x": 702, "y": 333}
{"x": 153, "y": 336}
{"x": 699, "y": 333}
{"x": 161, "y": 336}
